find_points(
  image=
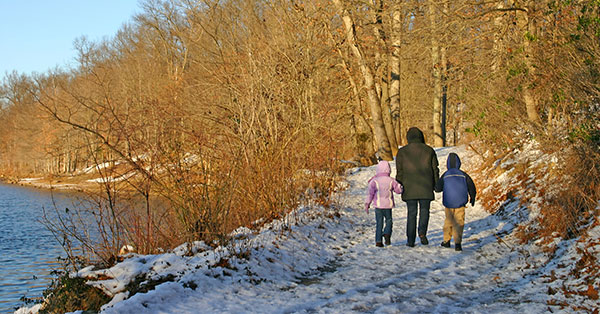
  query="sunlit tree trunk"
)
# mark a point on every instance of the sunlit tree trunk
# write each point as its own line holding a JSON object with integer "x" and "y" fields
{"x": 498, "y": 50}
{"x": 444, "y": 81}
{"x": 438, "y": 134}
{"x": 395, "y": 73}
{"x": 528, "y": 29}
{"x": 382, "y": 72}
{"x": 383, "y": 144}
{"x": 554, "y": 30}
{"x": 358, "y": 107}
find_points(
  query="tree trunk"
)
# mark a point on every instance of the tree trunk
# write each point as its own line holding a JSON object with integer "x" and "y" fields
{"x": 383, "y": 144}
{"x": 382, "y": 75}
{"x": 528, "y": 26}
{"x": 358, "y": 107}
{"x": 498, "y": 50}
{"x": 387, "y": 117}
{"x": 438, "y": 136}
{"x": 552, "y": 108}
{"x": 444, "y": 82}
{"x": 395, "y": 74}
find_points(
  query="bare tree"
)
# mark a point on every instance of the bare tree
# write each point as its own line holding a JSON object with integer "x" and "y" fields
{"x": 381, "y": 137}
{"x": 396, "y": 49}
{"x": 527, "y": 22}
{"x": 437, "y": 70}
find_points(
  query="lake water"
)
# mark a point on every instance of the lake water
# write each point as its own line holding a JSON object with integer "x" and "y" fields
{"x": 28, "y": 251}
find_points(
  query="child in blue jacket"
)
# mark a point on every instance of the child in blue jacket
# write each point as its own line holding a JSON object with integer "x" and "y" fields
{"x": 380, "y": 192}
{"x": 459, "y": 189}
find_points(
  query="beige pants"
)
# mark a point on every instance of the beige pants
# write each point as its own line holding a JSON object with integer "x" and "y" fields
{"x": 454, "y": 224}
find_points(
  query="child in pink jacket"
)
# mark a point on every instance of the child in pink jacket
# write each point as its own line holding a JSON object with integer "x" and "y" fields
{"x": 381, "y": 190}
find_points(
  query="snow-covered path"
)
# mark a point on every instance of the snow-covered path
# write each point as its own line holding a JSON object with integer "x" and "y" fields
{"x": 329, "y": 264}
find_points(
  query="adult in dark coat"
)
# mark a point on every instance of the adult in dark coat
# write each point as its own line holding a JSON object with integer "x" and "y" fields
{"x": 417, "y": 170}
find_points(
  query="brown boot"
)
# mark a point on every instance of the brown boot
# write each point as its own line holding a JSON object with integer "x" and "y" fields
{"x": 388, "y": 239}
{"x": 379, "y": 244}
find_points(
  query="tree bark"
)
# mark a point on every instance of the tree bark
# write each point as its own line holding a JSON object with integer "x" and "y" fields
{"x": 395, "y": 74}
{"x": 444, "y": 82}
{"x": 498, "y": 50}
{"x": 383, "y": 144}
{"x": 387, "y": 118}
{"x": 382, "y": 75}
{"x": 528, "y": 27}
{"x": 438, "y": 136}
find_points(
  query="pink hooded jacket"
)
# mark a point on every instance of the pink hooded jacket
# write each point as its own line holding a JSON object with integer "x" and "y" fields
{"x": 381, "y": 187}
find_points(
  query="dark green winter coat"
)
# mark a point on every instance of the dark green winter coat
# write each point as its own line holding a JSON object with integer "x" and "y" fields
{"x": 417, "y": 167}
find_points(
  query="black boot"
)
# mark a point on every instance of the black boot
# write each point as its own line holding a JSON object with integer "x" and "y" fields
{"x": 446, "y": 244}
{"x": 457, "y": 247}
{"x": 388, "y": 239}
{"x": 424, "y": 240}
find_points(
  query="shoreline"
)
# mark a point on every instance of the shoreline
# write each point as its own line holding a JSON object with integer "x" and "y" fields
{"x": 49, "y": 184}
{"x": 79, "y": 184}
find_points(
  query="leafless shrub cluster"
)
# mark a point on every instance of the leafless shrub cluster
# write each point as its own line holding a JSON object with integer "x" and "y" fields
{"x": 576, "y": 205}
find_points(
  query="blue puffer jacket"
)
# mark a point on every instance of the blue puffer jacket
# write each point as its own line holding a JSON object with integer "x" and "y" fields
{"x": 456, "y": 185}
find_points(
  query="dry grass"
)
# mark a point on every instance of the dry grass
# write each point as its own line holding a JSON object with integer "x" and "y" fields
{"x": 574, "y": 206}
{"x": 567, "y": 190}
{"x": 200, "y": 201}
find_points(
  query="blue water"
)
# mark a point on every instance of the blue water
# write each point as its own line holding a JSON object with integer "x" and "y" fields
{"x": 28, "y": 250}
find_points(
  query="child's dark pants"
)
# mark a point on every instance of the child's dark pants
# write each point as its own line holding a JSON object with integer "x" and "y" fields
{"x": 380, "y": 215}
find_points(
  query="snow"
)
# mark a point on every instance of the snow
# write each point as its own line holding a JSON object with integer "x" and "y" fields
{"x": 98, "y": 167}
{"x": 319, "y": 260}
{"x": 113, "y": 179}
{"x": 29, "y": 179}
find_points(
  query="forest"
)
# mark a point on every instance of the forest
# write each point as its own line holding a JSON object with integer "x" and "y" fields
{"x": 217, "y": 114}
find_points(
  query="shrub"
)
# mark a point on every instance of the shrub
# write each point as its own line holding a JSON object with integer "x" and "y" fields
{"x": 575, "y": 205}
{"x": 67, "y": 294}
